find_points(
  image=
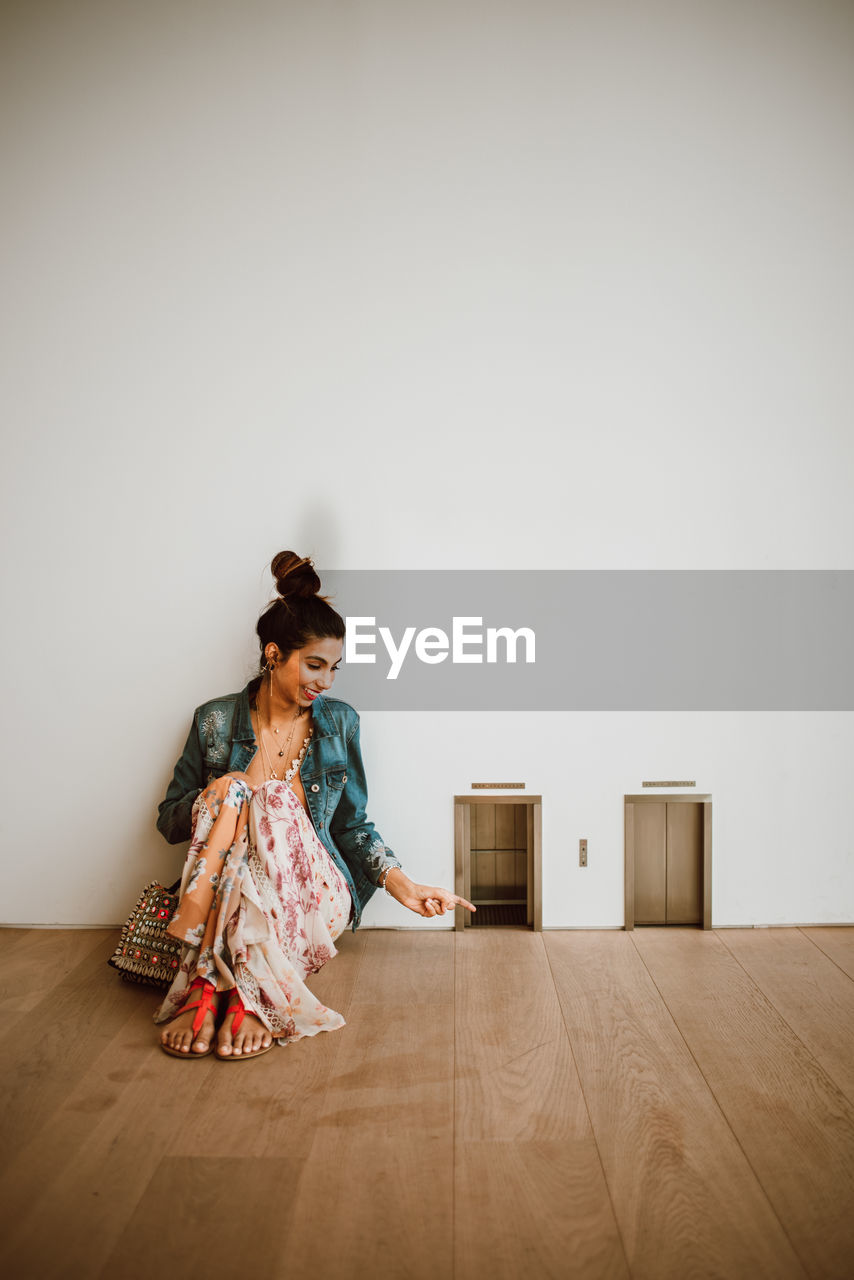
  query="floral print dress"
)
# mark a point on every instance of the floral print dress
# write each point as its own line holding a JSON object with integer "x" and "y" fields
{"x": 261, "y": 904}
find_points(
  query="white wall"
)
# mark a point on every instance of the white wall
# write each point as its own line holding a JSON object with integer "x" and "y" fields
{"x": 400, "y": 286}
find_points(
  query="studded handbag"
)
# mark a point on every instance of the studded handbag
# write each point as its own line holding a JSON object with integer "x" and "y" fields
{"x": 146, "y": 952}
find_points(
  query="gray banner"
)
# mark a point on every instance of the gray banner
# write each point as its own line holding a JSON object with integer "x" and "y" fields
{"x": 609, "y": 640}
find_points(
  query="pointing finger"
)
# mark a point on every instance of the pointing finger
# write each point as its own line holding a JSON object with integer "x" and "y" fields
{"x": 463, "y": 902}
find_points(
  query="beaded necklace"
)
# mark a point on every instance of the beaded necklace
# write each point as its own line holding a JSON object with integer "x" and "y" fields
{"x": 295, "y": 764}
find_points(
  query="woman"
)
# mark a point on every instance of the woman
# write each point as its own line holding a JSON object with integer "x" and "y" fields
{"x": 271, "y": 790}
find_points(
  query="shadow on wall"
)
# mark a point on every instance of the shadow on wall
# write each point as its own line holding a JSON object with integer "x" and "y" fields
{"x": 317, "y": 534}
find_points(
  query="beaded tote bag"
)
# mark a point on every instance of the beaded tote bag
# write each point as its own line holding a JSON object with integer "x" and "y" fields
{"x": 146, "y": 952}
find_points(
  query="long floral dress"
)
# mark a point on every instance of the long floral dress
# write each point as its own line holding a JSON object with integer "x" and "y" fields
{"x": 261, "y": 904}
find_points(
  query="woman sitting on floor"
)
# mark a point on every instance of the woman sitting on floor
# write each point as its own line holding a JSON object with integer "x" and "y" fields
{"x": 271, "y": 791}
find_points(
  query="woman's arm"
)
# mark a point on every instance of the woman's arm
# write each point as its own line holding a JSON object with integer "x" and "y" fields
{"x": 174, "y": 815}
{"x": 423, "y": 899}
{"x": 354, "y": 834}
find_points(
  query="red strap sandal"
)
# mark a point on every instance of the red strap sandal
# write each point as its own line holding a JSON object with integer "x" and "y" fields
{"x": 238, "y": 1008}
{"x": 205, "y": 1005}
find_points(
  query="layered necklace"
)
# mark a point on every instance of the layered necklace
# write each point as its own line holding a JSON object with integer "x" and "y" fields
{"x": 287, "y": 772}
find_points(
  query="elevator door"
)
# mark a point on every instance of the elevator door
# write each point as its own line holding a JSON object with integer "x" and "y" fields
{"x": 668, "y": 863}
{"x": 498, "y": 864}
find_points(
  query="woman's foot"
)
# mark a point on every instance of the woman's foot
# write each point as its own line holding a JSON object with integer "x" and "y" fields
{"x": 248, "y": 1040}
{"x": 178, "y": 1036}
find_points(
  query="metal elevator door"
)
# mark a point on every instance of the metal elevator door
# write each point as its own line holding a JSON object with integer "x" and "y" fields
{"x": 668, "y": 863}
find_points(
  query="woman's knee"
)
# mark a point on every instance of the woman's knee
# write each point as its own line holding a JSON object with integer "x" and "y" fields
{"x": 225, "y": 782}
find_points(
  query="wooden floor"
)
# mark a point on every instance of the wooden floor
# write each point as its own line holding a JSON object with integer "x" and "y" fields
{"x": 660, "y": 1103}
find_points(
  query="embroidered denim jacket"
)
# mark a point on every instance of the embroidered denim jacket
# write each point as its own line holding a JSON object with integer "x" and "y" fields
{"x": 221, "y": 740}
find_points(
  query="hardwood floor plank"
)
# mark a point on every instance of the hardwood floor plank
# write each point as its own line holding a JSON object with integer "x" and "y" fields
{"x": 794, "y": 1124}
{"x": 534, "y": 1208}
{"x": 402, "y": 968}
{"x": 274, "y": 1103}
{"x": 83, "y": 1174}
{"x": 525, "y": 1152}
{"x": 216, "y": 1199}
{"x": 807, "y": 989}
{"x": 393, "y": 1219}
{"x": 835, "y": 942}
{"x": 53, "y": 1044}
{"x": 383, "y": 1147}
{"x": 512, "y": 1054}
{"x": 685, "y": 1198}
{"x": 36, "y": 960}
{"x": 12, "y": 936}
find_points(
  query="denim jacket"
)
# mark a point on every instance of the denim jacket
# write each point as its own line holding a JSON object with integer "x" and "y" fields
{"x": 221, "y": 740}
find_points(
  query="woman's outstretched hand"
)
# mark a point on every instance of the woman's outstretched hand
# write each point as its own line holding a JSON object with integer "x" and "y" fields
{"x": 423, "y": 899}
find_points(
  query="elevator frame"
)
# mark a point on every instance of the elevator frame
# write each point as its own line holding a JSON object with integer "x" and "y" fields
{"x": 534, "y": 845}
{"x": 629, "y": 815}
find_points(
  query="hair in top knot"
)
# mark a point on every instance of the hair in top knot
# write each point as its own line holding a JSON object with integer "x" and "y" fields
{"x": 295, "y": 575}
{"x": 299, "y": 613}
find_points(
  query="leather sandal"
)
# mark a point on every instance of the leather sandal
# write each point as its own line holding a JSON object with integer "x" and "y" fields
{"x": 238, "y": 1008}
{"x": 204, "y": 1005}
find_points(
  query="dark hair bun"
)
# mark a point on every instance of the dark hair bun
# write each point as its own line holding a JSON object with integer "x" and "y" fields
{"x": 295, "y": 575}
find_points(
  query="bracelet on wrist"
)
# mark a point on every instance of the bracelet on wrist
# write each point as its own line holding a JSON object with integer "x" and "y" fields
{"x": 383, "y": 881}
